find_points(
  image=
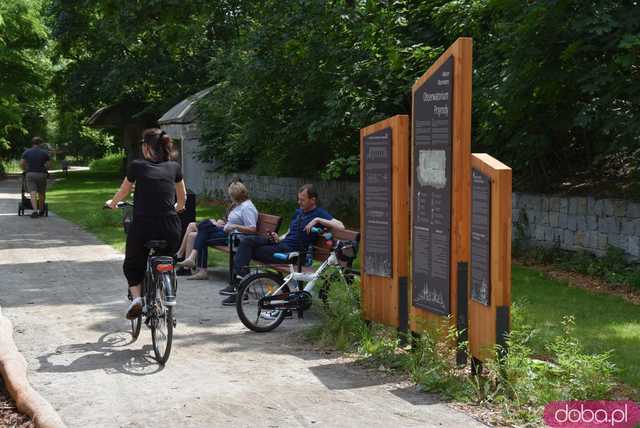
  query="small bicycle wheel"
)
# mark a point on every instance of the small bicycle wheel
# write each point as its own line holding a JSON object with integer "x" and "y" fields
{"x": 250, "y": 291}
{"x": 161, "y": 326}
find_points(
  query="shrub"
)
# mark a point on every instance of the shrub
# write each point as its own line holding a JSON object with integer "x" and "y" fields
{"x": 111, "y": 163}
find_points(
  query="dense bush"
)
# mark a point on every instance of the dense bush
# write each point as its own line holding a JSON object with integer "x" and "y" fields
{"x": 108, "y": 164}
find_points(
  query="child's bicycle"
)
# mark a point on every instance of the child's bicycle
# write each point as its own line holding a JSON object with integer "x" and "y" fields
{"x": 159, "y": 289}
{"x": 265, "y": 298}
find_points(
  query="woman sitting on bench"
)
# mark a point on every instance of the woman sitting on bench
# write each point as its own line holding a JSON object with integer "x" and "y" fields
{"x": 242, "y": 217}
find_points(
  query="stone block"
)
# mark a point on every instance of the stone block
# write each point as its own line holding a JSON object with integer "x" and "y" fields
{"x": 580, "y": 239}
{"x": 602, "y": 224}
{"x": 515, "y": 199}
{"x": 619, "y": 207}
{"x": 591, "y": 205}
{"x": 564, "y": 205}
{"x": 554, "y": 219}
{"x": 633, "y": 246}
{"x": 581, "y": 206}
{"x": 592, "y": 222}
{"x": 573, "y": 206}
{"x": 608, "y": 207}
{"x": 603, "y": 241}
{"x": 539, "y": 233}
{"x": 598, "y": 207}
{"x": 545, "y": 204}
{"x": 562, "y": 220}
{"x": 569, "y": 239}
{"x": 636, "y": 227}
{"x": 613, "y": 226}
{"x": 548, "y": 234}
{"x": 544, "y": 218}
{"x": 633, "y": 210}
{"x": 581, "y": 223}
{"x": 592, "y": 240}
{"x": 554, "y": 204}
{"x": 572, "y": 223}
{"x": 626, "y": 226}
{"x": 618, "y": 241}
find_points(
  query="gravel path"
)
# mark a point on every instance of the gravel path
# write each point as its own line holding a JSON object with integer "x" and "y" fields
{"x": 65, "y": 293}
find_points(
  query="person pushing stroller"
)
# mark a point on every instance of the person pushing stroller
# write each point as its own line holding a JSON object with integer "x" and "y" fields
{"x": 35, "y": 162}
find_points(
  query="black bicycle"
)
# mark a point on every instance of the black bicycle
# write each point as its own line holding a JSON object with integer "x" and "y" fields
{"x": 159, "y": 289}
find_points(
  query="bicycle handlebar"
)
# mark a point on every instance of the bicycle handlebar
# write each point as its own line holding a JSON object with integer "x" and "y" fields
{"x": 121, "y": 204}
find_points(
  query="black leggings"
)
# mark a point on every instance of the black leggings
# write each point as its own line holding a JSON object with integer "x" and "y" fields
{"x": 144, "y": 229}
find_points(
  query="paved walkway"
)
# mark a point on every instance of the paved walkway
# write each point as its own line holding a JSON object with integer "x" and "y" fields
{"x": 64, "y": 291}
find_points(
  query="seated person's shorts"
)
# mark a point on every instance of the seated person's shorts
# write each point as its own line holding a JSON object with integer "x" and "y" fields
{"x": 37, "y": 182}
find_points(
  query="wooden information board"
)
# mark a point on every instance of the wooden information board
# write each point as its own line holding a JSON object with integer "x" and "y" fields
{"x": 384, "y": 218}
{"x": 490, "y": 255}
{"x": 441, "y": 185}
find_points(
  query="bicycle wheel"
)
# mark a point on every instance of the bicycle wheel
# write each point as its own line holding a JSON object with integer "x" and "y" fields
{"x": 161, "y": 324}
{"x": 135, "y": 327}
{"x": 250, "y": 291}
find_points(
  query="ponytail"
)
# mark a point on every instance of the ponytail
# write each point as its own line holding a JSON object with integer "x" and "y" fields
{"x": 159, "y": 144}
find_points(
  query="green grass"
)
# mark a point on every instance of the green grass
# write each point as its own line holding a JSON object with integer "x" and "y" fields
{"x": 603, "y": 322}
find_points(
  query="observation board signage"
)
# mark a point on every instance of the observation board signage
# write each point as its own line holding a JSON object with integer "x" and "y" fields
{"x": 431, "y": 223}
{"x": 378, "y": 226}
{"x": 480, "y": 237}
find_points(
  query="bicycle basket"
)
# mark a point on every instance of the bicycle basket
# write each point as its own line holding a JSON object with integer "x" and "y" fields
{"x": 346, "y": 251}
{"x": 127, "y": 218}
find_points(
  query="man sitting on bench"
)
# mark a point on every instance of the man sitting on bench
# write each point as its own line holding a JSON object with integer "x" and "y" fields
{"x": 298, "y": 237}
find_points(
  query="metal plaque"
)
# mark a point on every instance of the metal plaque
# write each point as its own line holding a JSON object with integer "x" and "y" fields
{"x": 431, "y": 223}
{"x": 378, "y": 227}
{"x": 480, "y": 237}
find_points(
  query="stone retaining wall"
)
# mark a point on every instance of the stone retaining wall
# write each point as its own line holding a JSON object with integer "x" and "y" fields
{"x": 577, "y": 223}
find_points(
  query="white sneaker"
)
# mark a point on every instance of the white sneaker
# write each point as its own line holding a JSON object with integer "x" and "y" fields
{"x": 135, "y": 308}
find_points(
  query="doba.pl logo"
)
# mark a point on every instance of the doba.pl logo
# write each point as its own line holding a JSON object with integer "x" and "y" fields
{"x": 592, "y": 414}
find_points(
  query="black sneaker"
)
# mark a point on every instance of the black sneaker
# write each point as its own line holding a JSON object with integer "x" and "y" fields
{"x": 228, "y": 290}
{"x": 35, "y": 214}
{"x": 231, "y": 300}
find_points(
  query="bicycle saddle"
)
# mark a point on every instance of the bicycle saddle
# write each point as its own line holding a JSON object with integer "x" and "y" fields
{"x": 285, "y": 256}
{"x": 155, "y": 245}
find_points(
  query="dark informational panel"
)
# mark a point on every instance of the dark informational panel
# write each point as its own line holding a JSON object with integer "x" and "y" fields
{"x": 480, "y": 237}
{"x": 384, "y": 220}
{"x": 490, "y": 297}
{"x": 378, "y": 215}
{"x": 432, "y": 159}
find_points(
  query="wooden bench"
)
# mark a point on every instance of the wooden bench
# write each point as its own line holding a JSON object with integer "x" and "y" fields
{"x": 266, "y": 223}
{"x": 320, "y": 252}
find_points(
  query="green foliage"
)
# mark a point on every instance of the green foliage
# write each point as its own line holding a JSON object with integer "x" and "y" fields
{"x": 25, "y": 69}
{"x": 342, "y": 325}
{"x": 521, "y": 385}
{"x": 432, "y": 361}
{"x": 108, "y": 164}
{"x": 614, "y": 267}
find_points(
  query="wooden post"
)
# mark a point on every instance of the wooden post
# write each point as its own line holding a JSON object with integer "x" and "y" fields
{"x": 384, "y": 220}
{"x": 440, "y": 186}
{"x": 490, "y": 296}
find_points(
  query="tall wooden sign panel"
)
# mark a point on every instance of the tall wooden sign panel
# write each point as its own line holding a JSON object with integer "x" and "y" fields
{"x": 441, "y": 187}
{"x": 384, "y": 219}
{"x": 490, "y": 296}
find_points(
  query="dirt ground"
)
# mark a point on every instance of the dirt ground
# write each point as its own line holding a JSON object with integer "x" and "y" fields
{"x": 65, "y": 294}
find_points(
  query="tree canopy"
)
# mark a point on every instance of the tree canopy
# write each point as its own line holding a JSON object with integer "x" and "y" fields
{"x": 556, "y": 82}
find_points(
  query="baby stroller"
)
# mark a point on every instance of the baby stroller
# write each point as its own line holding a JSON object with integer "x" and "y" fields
{"x": 25, "y": 198}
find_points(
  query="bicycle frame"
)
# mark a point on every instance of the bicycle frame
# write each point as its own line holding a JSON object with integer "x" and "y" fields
{"x": 308, "y": 278}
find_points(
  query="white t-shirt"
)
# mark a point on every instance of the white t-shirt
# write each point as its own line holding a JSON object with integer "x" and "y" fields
{"x": 244, "y": 214}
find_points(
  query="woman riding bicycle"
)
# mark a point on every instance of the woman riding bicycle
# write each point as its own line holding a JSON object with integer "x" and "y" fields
{"x": 158, "y": 183}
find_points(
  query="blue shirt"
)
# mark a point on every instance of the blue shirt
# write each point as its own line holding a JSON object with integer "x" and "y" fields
{"x": 35, "y": 158}
{"x": 297, "y": 238}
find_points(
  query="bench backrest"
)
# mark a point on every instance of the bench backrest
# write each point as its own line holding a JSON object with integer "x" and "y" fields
{"x": 268, "y": 223}
{"x": 321, "y": 252}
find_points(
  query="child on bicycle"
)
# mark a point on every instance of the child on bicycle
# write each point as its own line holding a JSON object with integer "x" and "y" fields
{"x": 158, "y": 180}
